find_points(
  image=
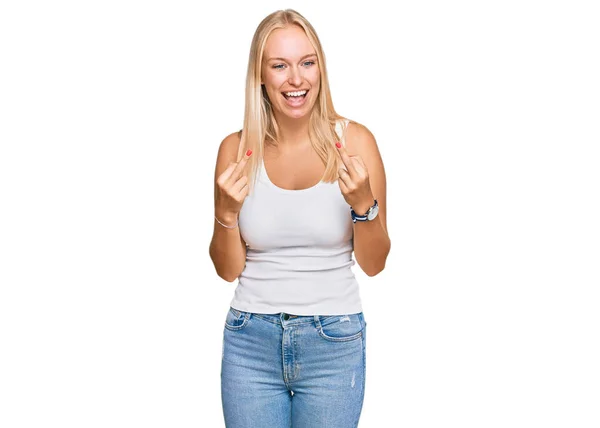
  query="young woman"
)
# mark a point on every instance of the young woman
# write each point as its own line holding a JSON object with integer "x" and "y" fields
{"x": 297, "y": 190}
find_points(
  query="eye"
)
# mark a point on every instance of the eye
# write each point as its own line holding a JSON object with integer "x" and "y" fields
{"x": 309, "y": 63}
{"x": 278, "y": 66}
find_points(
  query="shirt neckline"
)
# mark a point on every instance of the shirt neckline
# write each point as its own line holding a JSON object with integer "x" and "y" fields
{"x": 281, "y": 189}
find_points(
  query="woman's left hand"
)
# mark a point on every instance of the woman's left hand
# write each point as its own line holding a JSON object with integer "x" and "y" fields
{"x": 354, "y": 182}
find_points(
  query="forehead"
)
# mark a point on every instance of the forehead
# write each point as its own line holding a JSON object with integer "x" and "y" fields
{"x": 289, "y": 42}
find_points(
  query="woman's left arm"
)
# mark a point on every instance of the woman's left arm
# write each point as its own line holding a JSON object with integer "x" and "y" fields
{"x": 361, "y": 183}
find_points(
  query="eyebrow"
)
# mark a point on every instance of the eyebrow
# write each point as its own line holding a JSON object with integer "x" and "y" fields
{"x": 283, "y": 59}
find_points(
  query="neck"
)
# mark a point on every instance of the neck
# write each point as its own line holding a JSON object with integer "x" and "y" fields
{"x": 293, "y": 133}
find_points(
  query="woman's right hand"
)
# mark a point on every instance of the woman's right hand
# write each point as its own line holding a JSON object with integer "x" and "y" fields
{"x": 232, "y": 189}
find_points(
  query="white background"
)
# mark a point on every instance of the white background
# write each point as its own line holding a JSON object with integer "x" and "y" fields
{"x": 487, "y": 118}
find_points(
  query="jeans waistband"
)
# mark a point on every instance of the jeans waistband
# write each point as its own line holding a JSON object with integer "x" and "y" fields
{"x": 284, "y": 318}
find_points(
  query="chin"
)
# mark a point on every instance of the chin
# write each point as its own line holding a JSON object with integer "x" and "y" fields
{"x": 296, "y": 113}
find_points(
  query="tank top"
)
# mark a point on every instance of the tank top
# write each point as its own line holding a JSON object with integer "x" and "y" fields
{"x": 299, "y": 250}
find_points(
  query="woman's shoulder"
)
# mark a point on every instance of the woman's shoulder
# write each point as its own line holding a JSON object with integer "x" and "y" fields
{"x": 358, "y": 137}
{"x": 230, "y": 145}
{"x": 352, "y": 126}
{"x": 232, "y": 139}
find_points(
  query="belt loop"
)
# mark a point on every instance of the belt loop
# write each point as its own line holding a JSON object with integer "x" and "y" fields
{"x": 317, "y": 321}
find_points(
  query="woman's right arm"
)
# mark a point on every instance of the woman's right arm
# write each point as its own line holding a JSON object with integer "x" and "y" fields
{"x": 227, "y": 248}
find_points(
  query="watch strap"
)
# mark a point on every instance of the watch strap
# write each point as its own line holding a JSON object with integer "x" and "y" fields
{"x": 365, "y": 217}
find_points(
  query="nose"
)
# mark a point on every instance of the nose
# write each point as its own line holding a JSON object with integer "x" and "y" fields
{"x": 295, "y": 77}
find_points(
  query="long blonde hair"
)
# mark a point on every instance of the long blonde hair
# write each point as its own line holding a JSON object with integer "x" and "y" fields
{"x": 259, "y": 121}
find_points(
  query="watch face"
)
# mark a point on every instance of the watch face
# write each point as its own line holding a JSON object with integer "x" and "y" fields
{"x": 373, "y": 212}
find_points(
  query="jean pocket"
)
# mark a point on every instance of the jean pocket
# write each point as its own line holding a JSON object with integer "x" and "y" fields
{"x": 341, "y": 328}
{"x": 236, "y": 320}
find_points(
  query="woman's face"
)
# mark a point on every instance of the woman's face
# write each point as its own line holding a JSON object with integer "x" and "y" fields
{"x": 290, "y": 72}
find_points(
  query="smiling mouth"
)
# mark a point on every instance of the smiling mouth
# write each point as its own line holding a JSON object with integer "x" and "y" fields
{"x": 294, "y": 95}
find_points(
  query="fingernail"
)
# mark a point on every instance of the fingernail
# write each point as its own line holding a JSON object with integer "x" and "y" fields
{"x": 249, "y": 152}
{"x": 338, "y": 145}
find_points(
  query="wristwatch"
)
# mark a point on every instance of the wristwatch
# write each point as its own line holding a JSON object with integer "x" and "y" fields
{"x": 368, "y": 216}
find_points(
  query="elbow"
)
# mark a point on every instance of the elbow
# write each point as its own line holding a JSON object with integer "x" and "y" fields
{"x": 223, "y": 271}
{"x": 228, "y": 278}
{"x": 379, "y": 266}
{"x": 375, "y": 270}
{"x": 227, "y": 274}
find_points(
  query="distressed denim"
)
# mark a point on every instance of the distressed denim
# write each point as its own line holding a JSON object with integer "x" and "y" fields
{"x": 288, "y": 371}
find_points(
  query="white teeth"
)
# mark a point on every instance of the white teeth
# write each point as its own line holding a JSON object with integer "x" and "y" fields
{"x": 295, "y": 94}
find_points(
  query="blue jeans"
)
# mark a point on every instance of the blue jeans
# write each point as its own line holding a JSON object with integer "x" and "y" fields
{"x": 281, "y": 370}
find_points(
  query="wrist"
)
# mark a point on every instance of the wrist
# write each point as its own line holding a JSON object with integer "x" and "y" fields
{"x": 226, "y": 217}
{"x": 368, "y": 215}
{"x": 362, "y": 208}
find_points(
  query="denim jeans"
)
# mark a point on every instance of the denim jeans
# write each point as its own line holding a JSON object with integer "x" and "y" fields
{"x": 281, "y": 370}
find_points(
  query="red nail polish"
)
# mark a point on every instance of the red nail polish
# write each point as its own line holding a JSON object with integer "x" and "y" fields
{"x": 249, "y": 152}
{"x": 338, "y": 145}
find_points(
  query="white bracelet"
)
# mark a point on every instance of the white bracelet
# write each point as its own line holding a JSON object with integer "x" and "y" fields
{"x": 228, "y": 227}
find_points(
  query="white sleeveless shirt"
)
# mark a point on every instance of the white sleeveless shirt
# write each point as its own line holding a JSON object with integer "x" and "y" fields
{"x": 299, "y": 254}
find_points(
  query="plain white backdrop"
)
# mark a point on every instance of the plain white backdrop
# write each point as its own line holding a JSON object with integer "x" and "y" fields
{"x": 487, "y": 119}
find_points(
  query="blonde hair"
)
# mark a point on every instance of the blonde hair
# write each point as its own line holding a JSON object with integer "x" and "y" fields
{"x": 259, "y": 121}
